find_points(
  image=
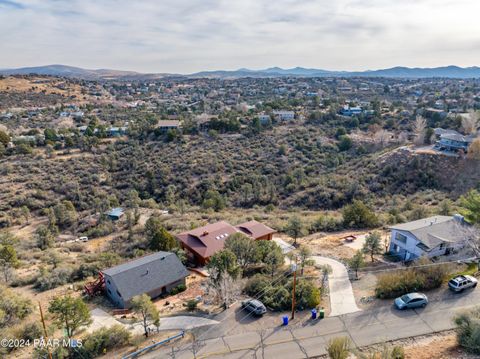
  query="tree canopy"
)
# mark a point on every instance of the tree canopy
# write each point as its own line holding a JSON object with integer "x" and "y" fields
{"x": 70, "y": 313}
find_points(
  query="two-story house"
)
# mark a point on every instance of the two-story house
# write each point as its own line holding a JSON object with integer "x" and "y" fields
{"x": 430, "y": 237}
{"x": 451, "y": 140}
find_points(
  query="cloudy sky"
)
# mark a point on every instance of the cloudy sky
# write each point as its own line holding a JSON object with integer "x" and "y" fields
{"x": 185, "y": 36}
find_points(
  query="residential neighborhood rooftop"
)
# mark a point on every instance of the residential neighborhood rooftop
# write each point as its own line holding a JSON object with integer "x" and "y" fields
{"x": 432, "y": 231}
{"x": 147, "y": 273}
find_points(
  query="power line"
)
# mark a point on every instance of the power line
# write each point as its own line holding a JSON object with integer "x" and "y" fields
{"x": 255, "y": 296}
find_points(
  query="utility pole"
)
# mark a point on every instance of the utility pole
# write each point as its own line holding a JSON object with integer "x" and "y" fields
{"x": 44, "y": 329}
{"x": 293, "y": 289}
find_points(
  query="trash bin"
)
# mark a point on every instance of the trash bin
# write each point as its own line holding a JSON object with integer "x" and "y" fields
{"x": 285, "y": 320}
{"x": 314, "y": 314}
{"x": 321, "y": 313}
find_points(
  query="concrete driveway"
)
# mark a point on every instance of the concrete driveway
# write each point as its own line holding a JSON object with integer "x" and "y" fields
{"x": 286, "y": 247}
{"x": 364, "y": 328}
{"x": 342, "y": 300}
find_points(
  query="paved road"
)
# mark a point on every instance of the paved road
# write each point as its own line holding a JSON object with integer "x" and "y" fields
{"x": 309, "y": 340}
{"x": 342, "y": 300}
{"x": 103, "y": 319}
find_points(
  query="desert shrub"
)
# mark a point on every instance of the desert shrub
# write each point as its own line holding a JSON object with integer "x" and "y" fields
{"x": 101, "y": 341}
{"x": 307, "y": 294}
{"x": 27, "y": 331}
{"x": 30, "y": 331}
{"x": 178, "y": 289}
{"x": 338, "y": 348}
{"x": 468, "y": 330}
{"x": 103, "y": 229}
{"x": 326, "y": 223}
{"x": 24, "y": 281}
{"x": 256, "y": 284}
{"x": 397, "y": 352}
{"x": 13, "y": 307}
{"x": 396, "y": 283}
{"x": 192, "y": 305}
{"x": 85, "y": 270}
{"x": 277, "y": 294}
{"x": 358, "y": 215}
{"x": 53, "y": 279}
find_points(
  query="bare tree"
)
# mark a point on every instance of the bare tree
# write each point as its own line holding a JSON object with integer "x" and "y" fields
{"x": 470, "y": 122}
{"x": 419, "y": 130}
{"x": 403, "y": 137}
{"x": 381, "y": 137}
{"x": 225, "y": 289}
{"x": 471, "y": 233}
{"x": 474, "y": 150}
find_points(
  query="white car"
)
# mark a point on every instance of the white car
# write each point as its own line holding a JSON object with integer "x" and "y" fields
{"x": 462, "y": 282}
{"x": 83, "y": 239}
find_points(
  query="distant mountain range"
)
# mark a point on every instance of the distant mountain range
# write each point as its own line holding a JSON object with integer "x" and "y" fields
{"x": 77, "y": 72}
{"x": 394, "y": 72}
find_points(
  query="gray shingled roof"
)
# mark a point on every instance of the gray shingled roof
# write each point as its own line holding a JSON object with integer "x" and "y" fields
{"x": 434, "y": 230}
{"x": 146, "y": 274}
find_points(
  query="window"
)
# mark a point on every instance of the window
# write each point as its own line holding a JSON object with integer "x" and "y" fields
{"x": 401, "y": 238}
{"x": 119, "y": 293}
{"x": 109, "y": 291}
{"x": 442, "y": 245}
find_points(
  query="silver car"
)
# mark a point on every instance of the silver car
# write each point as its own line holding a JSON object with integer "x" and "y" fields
{"x": 254, "y": 306}
{"x": 411, "y": 300}
{"x": 462, "y": 282}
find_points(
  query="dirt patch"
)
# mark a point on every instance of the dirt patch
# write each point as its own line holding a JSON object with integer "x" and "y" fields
{"x": 441, "y": 346}
{"x": 175, "y": 304}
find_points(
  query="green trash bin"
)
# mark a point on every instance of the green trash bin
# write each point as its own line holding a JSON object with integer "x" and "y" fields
{"x": 321, "y": 313}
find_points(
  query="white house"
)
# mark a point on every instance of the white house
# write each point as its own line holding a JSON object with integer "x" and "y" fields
{"x": 431, "y": 237}
{"x": 284, "y": 115}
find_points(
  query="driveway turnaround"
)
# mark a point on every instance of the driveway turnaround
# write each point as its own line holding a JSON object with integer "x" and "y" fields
{"x": 363, "y": 328}
{"x": 342, "y": 300}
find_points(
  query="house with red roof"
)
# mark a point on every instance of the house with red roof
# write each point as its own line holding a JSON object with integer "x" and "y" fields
{"x": 201, "y": 243}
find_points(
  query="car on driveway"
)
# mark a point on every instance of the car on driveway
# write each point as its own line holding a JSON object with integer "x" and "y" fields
{"x": 411, "y": 300}
{"x": 462, "y": 282}
{"x": 254, "y": 306}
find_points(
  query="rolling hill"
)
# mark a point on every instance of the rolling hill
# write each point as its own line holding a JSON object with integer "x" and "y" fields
{"x": 394, "y": 72}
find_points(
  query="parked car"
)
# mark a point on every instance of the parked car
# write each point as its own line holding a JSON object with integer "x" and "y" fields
{"x": 254, "y": 306}
{"x": 462, "y": 282}
{"x": 411, "y": 300}
{"x": 83, "y": 239}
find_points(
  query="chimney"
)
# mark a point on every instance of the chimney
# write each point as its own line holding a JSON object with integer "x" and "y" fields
{"x": 205, "y": 233}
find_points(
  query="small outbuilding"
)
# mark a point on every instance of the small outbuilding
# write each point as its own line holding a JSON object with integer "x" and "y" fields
{"x": 116, "y": 213}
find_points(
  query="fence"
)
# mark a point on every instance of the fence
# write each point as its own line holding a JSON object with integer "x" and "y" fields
{"x": 154, "y": 346}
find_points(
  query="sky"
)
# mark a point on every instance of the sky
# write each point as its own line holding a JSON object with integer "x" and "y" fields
{"x": 186, "y": 36}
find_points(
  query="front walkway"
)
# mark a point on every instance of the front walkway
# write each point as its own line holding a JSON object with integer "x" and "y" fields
{"x": 342, "y": 300}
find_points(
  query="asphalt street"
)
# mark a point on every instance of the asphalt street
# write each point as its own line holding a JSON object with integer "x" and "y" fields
{"x": 309, "y": 339}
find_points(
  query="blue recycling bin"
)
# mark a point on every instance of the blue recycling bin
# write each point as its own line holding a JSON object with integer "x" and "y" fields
{"x": 314, "y": 314}
{"x": 285, "y": 320}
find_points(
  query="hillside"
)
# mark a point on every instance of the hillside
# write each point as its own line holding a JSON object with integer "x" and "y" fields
{"x": 244, "y": 171}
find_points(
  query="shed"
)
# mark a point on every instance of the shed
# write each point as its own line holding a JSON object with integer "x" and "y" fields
{"x": 115, "y": 214}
